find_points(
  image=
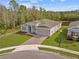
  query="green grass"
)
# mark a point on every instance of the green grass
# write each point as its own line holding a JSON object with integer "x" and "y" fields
{"x": 6, "y": 51}
{"x": 60, "y": 52}
{"x": 4, "y": 31}
{"x": 13, "y": 40}
{"x": 53, "y": 40}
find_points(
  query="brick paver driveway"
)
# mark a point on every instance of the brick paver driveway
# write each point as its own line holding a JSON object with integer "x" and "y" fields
{"x": 35, "y": 40}
{"x": 33, "y": 55}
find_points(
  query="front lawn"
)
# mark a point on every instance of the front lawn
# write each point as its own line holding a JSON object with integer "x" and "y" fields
{"x": 13, "y": 40}
{"x": 53, "y": 40}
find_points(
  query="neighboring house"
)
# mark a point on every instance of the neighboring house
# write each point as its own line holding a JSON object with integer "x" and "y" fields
{"x": 73, "y": 30}
{"x": 42, "y": 27}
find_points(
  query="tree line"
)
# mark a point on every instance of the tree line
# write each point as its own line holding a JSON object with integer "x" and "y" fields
{"x": 17, "y": 14}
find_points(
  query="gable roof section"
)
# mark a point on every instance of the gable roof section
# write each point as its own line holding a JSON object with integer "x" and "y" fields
{"x": 74, "y": 25}
{"x": 44, "y": 23}
{"x": 49, "y": 23}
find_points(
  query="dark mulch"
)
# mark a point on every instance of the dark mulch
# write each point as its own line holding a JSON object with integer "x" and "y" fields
{"x": 24, "y": 33}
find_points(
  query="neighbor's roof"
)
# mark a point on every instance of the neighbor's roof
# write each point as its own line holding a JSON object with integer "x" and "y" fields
{"x": 74, "y": 24}
{"x": 44, "y": 23}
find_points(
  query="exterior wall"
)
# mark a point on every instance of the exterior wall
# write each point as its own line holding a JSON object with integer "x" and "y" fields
{"x": 24, "y": 28}
{"x": 78, "y": 34}
{"x": 42, "y": 31}
{"x": 54, "y": 29}
{"x": 69, "y": 33}
{"x": 74, "y": 31}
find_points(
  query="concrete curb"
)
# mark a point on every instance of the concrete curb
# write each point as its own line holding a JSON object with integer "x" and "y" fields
{"x": 35, "y": 47}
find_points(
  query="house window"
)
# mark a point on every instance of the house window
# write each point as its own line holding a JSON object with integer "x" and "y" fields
{"x": 75, "y": 35}
{"x": 29, "y": 28}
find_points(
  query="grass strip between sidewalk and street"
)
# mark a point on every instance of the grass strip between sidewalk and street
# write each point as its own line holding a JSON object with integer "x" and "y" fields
{"x": 60, "y": 52}
{"x": 6, "y": 51}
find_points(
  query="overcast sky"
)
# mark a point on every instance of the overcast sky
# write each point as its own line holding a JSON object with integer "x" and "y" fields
{"x": 53, "y": 5}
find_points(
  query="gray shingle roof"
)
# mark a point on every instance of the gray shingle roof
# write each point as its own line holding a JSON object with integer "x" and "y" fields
{"x": 44, "y": 23}
{"x": 74, "y": 24}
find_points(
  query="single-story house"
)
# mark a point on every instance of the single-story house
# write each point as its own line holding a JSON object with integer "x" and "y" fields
{"x": 73, "y": 30}
{"x": 42, "y": 27}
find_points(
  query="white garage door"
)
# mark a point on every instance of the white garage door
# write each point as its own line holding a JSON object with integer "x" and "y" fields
{"x": 42, "y": 31}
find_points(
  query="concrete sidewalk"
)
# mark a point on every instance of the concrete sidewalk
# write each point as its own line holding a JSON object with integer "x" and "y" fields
{"x": 36, "y": 47}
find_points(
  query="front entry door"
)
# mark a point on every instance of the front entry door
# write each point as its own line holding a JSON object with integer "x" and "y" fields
{"x": 29, "y": 29}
